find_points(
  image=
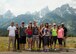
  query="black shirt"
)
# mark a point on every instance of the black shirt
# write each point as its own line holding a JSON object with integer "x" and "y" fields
{"x": 65, "y": 31}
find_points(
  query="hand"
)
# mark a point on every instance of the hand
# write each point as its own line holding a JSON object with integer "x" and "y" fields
{"x": 50, "y": 37}
{"x": 64, "y": 38}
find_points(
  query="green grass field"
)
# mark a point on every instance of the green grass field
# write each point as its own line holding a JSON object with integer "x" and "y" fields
{"x": 71, "y": 43}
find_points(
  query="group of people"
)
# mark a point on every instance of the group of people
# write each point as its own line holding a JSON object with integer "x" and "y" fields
{"x": 44, "y": 36}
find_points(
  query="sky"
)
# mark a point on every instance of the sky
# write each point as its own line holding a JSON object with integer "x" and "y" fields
{"x": 22, "y": 6}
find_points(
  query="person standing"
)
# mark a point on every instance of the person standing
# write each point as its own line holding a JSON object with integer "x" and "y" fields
{"x": 41, "y": 36}
{"x": 22, "y": 36}
{"x": 50, "y": 38}
{"x": 29, "y": 36}
{"x": 54, "y": 35}
{"x": 65, "y": 34}
{"x": 17, "y": 37}
{"x": 46, "y": 37}
{"x": 60, "y": 36}
{"x": 35, "y": 35}
{"x": 11, "y": 29}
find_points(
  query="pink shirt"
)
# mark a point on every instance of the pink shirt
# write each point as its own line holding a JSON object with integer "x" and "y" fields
{"x": 60, "y": 33}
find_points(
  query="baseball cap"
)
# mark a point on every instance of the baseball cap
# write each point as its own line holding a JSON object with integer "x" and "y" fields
{"x": 54, "y": 23}
{"x": 30, "y": 22}
{"x": 62, "y": 23}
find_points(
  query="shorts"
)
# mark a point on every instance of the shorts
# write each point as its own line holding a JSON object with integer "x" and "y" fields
{"x": 60, "y": 40}
{"x": 22, "y": 39}
{"x": 54, "y": 39}
{"x": 35, "y": 37}
{"x": 29, "y": 36}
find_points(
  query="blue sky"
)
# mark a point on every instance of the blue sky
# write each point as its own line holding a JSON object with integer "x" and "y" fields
{"x": 22, "y": 6}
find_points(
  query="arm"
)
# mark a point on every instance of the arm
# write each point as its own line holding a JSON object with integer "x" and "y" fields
{"x": 19, "y": 31}
{"x": 8, "y": 29}
{"x": 63, "y": 32}
{"x": 26, "y": 30}
{"x": 39, "y": 30}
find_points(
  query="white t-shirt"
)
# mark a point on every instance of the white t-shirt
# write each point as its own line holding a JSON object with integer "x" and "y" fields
{"x": 11, "y": 30}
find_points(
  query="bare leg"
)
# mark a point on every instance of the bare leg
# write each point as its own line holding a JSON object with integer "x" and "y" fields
{"x": 24, "y": 46}
{"x": 20, "y": 46}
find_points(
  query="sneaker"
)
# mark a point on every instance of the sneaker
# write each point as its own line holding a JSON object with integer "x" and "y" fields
{"x": 14, "y": 50}
{"x": 29, "y": 49}
{"x": 47, "y": 50}
{"x": 19, "y": 51}
{"x": 55, "y": 49}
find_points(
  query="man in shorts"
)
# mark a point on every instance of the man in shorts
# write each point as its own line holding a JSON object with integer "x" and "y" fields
{"x": 22, "y": 36}
{"x": 35, "y": 35}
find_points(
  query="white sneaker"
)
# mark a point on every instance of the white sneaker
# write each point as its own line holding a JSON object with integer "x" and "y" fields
{"x": 55, "y": 49}
{"x": 29, "y": 49}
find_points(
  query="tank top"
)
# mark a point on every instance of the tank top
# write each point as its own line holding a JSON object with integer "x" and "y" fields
{"x": 29, "y": 32}
{"x": 35, "y": 30}
{"x": 46, "y": 31}
{"x": 54, "y": 32}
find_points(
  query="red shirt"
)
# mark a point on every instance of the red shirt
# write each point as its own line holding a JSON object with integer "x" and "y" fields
{"x": 29, "y": 31}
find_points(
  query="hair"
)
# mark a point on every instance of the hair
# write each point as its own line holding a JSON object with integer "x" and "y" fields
{"x": 46, "y": 25}
{"x": 12, "y": 22}
{"x": 29, "y": 27}
{"x": 22, "y": 22}
{"x": 41, "y": 26}
{"x": 62, "y": 25}
{"x": 16, "y": 23}
{"x": 58, "y": 26}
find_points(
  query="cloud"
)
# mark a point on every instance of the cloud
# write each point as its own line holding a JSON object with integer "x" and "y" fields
{"x": 73, "y": 3}
{"x": 22, "y": 6}
{"x": 73, "y": 0}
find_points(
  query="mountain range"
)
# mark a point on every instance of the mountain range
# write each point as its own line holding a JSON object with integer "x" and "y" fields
{"x": 65, "y": 14}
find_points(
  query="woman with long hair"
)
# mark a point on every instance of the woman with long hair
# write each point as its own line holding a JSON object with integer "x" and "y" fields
{"x": 40, "y": 36}
{"x": 60, "y": 36}
{"x": 29, "y": 36}
{"x": 17, "y": 37}
{"x": 46, "y": 35}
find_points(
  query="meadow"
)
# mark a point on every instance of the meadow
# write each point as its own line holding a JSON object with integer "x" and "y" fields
{"x": 71, "y": 43}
